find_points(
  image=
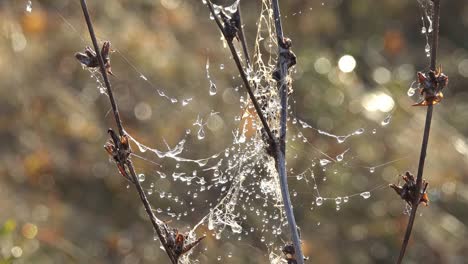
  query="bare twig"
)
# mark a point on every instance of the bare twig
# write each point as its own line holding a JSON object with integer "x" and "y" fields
{"x": 242, "y": 39}
{"x": 284, "y": 62}
{"x": 278, "y": 145}
{"x": 427, "y": 128}
{"x": 229, "y": 40}
{"x": 157, "y": 223}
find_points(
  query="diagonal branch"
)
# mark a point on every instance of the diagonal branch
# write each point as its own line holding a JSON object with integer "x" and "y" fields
{"x": 284, "y": 62}
{"x": 154, "y": 220}
{"x": 254, "y": 100}
{"x": 427, "y": 128}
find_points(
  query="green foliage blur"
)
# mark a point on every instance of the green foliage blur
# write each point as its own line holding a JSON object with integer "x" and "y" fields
{"x": 62, "y": 201}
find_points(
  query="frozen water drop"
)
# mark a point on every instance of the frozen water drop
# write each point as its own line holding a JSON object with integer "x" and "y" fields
{"x": 141, "y": 177}
{"x": 213, "y": 89}
{"x": 386, "y": 121}
{"x": 29, "y": 6}
{"x": 365, "y": 195}
{"x": 319, "y": 201}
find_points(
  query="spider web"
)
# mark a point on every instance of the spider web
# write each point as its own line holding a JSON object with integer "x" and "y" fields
{"x": 241, "y": 176}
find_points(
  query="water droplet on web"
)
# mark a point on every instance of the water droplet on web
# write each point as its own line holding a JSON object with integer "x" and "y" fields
{"x": 319, "y": 201}
{"x": 339, "y": 157}
{"x": 221, "y": 66}
{"x": 374, "y": 131}
{"x": 345, "y": 199}
{"x": 341, "y": 139}
{"x": 365, "y": 195}
{"x": 29, "y": 6}
{"x": 338, "y": 207}
{"x": 141, "y": 177}
{"x": 186, "y": 101}
{"x": 386, "y": 121}
{"x": 423, "y": 30}
{"x": 150, "y": 191}
{"x": 143, "y": 77}
{"x": 411, "y": 91}
{"x": 359, "y": 131}
{"x": 338, "y": 200}
{"x": 324, "y": 162}
{"x": 427, "y": 49}
{"x": 201, "y": 133}
{"x": 213, "y": 89}
{"x": 174, "y": 100}
{"x": 372, "y": 169}
{"x": 219, "y": 258}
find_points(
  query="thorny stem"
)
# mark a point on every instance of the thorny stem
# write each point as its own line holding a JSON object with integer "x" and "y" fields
{"x": 242, "y": 73}
{"x": 281, "y": 147}
{"x": 154, "y": 220}
{"x": 427, "y": 128}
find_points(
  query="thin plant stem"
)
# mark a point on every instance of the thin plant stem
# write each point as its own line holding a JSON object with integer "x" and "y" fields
{"x": 154, "y": 220}
{"x": 242, "y": 37}
{"x": 248, "y": 87}
{"x": 425, "y": 141}
{"x": 281, "y": 147}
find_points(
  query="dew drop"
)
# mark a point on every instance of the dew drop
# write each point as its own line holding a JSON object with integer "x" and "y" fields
{"x": 345, "y": 199}
{"x": 143, "y": 77}
{"x": 341, "y": 139}
{"x": 324, "y": 162}
{"x": 374, "y": 131}
{"x": 427, "y": 48}
{"x": 372, "y": 169}
{"x": 339, "y": 157}
{"x": 365, "y": 195}
{"x": 411, "y": 91}
{"x": 186, "y": 101}
{"x": 201, "y": 133}
{"x": 150, "y": 191}
{"x": 319, "y": 201}
{"x": 359, "y": 131}
{"x": 213, "y": 89}
{"x": 221, "y": 66}
{"x": 29, "y": 6}
{"x": 386, "y": 121}
{"x": 338, "y": 200}
{"x": 338, "y": 207}
{"x": 423, "y": 30}
{"x": 141, "y": 177}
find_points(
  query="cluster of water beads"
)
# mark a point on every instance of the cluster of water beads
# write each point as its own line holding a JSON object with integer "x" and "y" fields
{"x": 29, "y": 6}
{"x": 319, "y": 200}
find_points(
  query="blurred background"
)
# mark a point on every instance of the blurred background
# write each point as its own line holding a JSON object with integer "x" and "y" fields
{"x": 62, "y": 201}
